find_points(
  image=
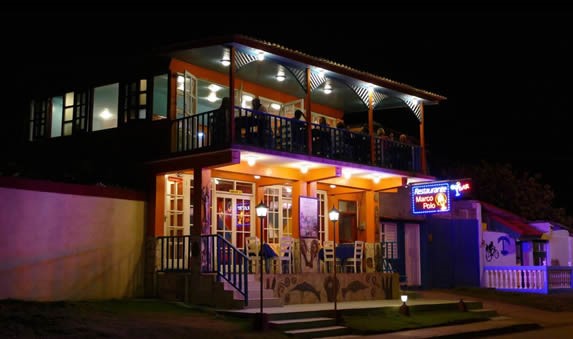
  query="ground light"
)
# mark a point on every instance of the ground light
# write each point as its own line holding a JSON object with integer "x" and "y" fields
{"x": 404, "y": 309}
{"x": 261, "y": 209}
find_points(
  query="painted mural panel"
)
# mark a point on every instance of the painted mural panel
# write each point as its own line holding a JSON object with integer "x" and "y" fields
{"x": 309, "y": 255}
{"x": 498, "y": 249}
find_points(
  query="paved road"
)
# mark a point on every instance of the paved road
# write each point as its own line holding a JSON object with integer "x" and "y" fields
{"x": 555, "y": 324}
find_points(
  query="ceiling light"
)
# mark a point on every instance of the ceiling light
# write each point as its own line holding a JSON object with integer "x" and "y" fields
{"x": 212, "y": 97}
{"x": 214, "y": 88}
{"x": 261, "y": 56}
{"x": 257, "y": 177}
{"x": 275, "y": 106}
{"x": 327, "y": 89}
{"x": 225, "y": 61}
{"x": 251, "y": 160}
{"x": 304, "y": 169}
{"x": 281, "y": 77}
{"x": 346, "y": 174}
{"x": 332, "y": 186}
{"x": 376, "y": 179}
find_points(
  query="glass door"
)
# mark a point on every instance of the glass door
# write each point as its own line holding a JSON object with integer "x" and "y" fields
{"x": 233, "y": 215}
{"x": 177, "y": 216}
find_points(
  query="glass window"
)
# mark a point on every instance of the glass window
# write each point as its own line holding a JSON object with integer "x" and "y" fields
{"x": 135, "y": 100}
{"x": 160, "y": 92}
{"x": 75, "y": 112}
{"x": 186, "y": 95}
{"x": 272, "y": 200}
{"x": 223, "y": 185}
{"x": 539, "y": 253}
{"x": 245, "y": 187}
{"x": 57, "y": 114}
{"x": 38, "y": 119}
{"x": 209, "y": 95}
{"x": 105, "y": 107}
{"x": 322, "y": 215}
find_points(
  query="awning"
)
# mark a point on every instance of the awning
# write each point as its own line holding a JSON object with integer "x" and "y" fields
{"x": 512, "y": 222}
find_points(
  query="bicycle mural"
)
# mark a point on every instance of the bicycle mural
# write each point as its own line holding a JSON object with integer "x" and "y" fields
{"x": 491, "y": 252}
{"x": 498, "y": 249}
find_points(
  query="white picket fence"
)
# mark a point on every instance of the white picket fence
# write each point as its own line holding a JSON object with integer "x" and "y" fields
{"x": 533, "y": 279}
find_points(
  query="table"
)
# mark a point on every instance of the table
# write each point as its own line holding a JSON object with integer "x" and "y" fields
{"x": 343, "y": 251}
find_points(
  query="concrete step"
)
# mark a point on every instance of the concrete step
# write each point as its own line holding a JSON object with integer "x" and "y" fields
{"x": 486, "y": 311}
{"x": 267, "y": 302}
{"x": 303, "y": 323}
{"x": 318, "y": 332}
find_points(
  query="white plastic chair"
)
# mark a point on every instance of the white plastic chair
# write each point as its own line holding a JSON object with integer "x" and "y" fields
{"x": 355, "y": 262}
{"x": 328, "y": 256}
{"x": 285, "y": 257}
{"x": 253, "y": 251}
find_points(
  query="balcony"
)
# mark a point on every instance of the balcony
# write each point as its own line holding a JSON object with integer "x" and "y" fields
{"x": 269, "y": 133}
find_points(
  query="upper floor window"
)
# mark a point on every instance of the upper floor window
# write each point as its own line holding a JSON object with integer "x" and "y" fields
{"x": 105, "y": 107}
{"x": 39, "y": 113}
{"x": 135, "y": 100}
{"x": 186, "y": 95}
{"x": 75, "y": 112}
{"x": 160, "y": 96}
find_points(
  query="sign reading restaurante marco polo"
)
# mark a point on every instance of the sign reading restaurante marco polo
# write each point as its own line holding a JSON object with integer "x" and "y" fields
{"x": 431, "y": 197}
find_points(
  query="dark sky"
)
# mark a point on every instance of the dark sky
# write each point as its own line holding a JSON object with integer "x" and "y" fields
{"x": 507, "y": 71}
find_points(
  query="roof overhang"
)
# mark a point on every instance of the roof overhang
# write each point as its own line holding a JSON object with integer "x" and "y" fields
{"x": 347, "y": 82}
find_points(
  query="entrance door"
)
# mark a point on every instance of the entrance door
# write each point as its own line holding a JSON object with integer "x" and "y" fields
{"x": 177, "y": 216}
{"x": 412, "y": 252}
{"x": 233, "y": 214}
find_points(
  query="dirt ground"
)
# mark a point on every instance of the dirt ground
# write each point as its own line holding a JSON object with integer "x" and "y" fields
{"x": 94, "y": 320}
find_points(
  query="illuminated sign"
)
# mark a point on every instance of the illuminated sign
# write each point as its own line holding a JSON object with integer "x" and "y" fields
{"x": 460, "y": 188}
{"x": 431, "y": 198}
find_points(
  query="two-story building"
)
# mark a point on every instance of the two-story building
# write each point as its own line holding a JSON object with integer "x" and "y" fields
{"x": 185, "y": 126}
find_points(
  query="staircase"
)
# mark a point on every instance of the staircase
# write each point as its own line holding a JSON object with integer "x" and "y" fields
{"x": 311, "y": 324}
{"x": 254, "y": 283}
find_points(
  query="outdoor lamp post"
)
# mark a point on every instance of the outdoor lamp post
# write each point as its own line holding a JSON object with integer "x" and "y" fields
{"x": 262, "y": 214}
{"x": 333, "y": 215}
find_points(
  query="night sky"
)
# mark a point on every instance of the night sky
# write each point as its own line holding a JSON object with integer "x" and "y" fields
{"x": 507, "y": 71}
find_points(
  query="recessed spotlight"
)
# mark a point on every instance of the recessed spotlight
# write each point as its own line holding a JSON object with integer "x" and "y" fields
{"x": 251, "y": 160}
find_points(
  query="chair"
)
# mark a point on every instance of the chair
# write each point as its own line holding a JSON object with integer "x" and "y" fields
{"x": 329, "y": 257}
{"x": 285, "y": 256}
{"x": 355, "y": 262}
{"x": 253, "y": 252}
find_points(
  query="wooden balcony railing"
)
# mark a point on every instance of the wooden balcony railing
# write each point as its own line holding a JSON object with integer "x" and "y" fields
{"x": 210, "y": 130}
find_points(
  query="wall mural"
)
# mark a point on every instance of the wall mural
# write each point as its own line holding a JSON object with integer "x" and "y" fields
{"x": 309, "y": 254}
{"x": 498, "y": 249}
{"x": 319, "y": 288}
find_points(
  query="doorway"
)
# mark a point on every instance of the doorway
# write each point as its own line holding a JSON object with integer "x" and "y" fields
{"x": 412, "y": 254}
{"x": 233, "y": 215}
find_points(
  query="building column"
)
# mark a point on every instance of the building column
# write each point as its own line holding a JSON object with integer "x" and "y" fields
{"x": 422, "y": 141}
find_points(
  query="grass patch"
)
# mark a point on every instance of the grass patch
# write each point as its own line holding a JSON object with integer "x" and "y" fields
{"x": 390, "y": 320}
{"x": 131, "y": 318}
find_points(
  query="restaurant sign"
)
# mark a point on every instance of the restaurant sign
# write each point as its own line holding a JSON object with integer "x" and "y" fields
{"x": 431, "y": 197}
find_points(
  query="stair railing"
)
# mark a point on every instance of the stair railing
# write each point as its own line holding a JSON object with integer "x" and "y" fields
{"x": 230, "y": 263}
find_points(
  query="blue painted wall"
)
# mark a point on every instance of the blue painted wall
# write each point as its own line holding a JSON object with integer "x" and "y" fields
{"x": 450, "y": 253}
